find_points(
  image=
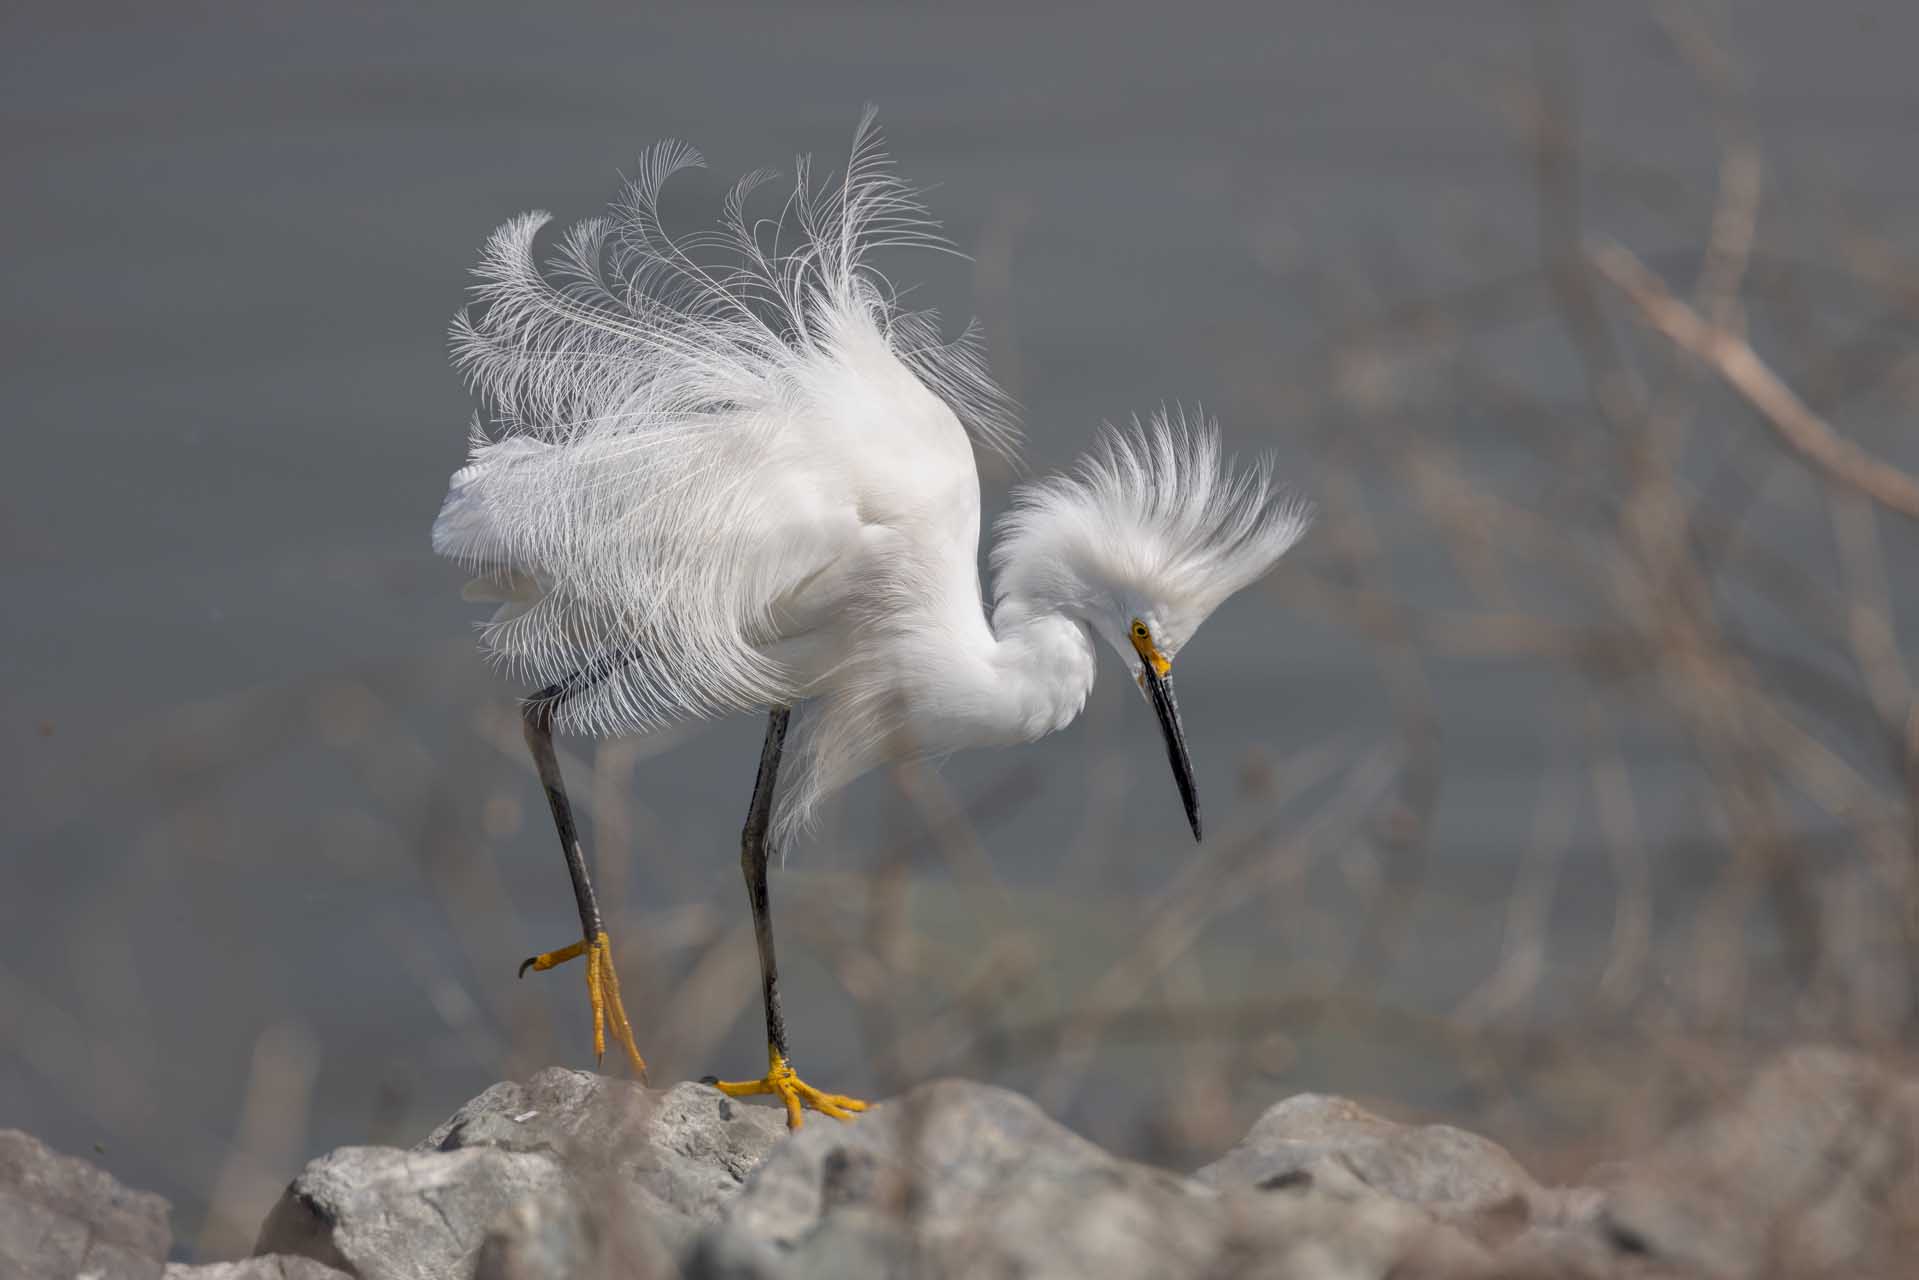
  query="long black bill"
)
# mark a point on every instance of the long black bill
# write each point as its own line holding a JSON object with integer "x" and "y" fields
{"x": 1159, "y": 690}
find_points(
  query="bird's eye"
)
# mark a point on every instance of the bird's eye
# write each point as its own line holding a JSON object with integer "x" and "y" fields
{"x": 1140, "y": 631}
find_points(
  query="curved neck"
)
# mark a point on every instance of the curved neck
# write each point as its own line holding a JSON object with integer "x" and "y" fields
{"x": 1043, "y": 667}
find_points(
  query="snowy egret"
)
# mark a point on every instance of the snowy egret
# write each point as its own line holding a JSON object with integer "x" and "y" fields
{"x": 730, "y": 471}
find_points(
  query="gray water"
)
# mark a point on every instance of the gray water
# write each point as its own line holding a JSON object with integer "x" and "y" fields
{"x": 260, "y": 825}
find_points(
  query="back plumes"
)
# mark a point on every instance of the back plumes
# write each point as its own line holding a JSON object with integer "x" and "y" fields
{"x": 648, "y": 404}
{"x": 1153, "y": 524}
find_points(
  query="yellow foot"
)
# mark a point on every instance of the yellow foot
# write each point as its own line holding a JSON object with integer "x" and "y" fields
{"x": 791, "y": 1090}
{"x": 602, "y": 991}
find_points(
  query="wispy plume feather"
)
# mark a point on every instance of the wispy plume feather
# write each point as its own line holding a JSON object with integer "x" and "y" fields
{"x": 636, "y": 386}
{"x": 1152, "y": 518}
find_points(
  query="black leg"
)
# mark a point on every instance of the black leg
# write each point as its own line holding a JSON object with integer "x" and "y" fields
{"x": 537, "y": 716}
{"x": 602, "y": 980}
{"x": 753, "y": 859}
{"x": 780, "y": 1080}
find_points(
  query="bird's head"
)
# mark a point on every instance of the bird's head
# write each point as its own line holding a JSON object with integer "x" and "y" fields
{"x": 1142, "y": 541}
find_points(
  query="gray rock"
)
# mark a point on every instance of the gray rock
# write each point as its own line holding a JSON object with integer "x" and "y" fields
{"x": 570, "y": 1234}
{"x": 274, "y": 1266}
{"x": 1465, "y": 1181}
{"x": 573, "y": 1175}
{"x": 1813, "y": 1170}
{"x": 1436, "y": 1166}
{"x": 949, "y": 1151}
{"x": 958, "y": 1179}
{"x": 552, "y": 1235}
{"x": 685, "y": 1150}
{"x": 61, "y": 1217}
{"x": 383, "y": 1214}
{"x": 567, "y": 1170}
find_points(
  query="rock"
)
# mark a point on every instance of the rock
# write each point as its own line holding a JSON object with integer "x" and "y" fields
{"x": 378, "y": 1212}
{"x": 1454, "y": 1177}
{"x": 1436, "y": 1166}
{"x": 1812, "y": 1171}
{"x": 566, "y": 1167}
{"x": 273, "y": 1266}
{"x": 686, "y": 1150}
{"x": 61, "y": 1217}
{"x": 954, "y": 1175}
{"x": 958, "y": 1179}
{"x": 566, "y": 1235}
{"x": 574, "y": 1175}
{"x": 947, "y": 1151}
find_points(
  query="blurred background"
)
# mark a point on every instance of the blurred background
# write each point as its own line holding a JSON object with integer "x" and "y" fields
{"x": 1565, "y": 769}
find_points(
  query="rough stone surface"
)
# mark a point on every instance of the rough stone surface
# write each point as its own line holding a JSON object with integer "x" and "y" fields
{"x": 1468, "y": 1182}
{"x": 958, "y": 1179}
{"x": 573, "y": 1175}
{"x": 1812, "y": 1172}
{"x": 1435, "y": 1166}
{"x": 950, "y": 1176}
{"x": 383, "y": 1214}
{"x": 543, "y": 1178}
{"x": 61, "y": 1217}
{"x": 273, "y": 1266}
{"x": 569, "y": 1234}
{"x": 685, "y": 1150}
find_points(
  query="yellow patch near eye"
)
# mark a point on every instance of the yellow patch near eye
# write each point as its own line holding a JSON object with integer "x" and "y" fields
{"x": 1148, "y": 651}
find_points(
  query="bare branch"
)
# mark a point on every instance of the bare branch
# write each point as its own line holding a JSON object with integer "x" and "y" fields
{"x": 1740, "y": 367}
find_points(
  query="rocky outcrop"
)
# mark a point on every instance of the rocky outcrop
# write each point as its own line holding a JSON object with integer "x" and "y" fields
{"x": 959, "y": 1180}
{"x": 1453, "y": 1178}
{"x": 1809, "y": 1172}
{"x": 538, "y": 1176}
{"x": 273, "y": 1266}
{"x": 576, "y": 1175}
{"x": 1812, "y": 1171}
{"x": 61, "y": 1217}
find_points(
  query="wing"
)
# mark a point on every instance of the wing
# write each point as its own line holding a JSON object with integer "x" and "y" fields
{"x": 655, "y": 410}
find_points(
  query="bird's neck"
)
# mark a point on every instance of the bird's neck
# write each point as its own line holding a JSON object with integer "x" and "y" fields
{"x": 1044, "y": 663}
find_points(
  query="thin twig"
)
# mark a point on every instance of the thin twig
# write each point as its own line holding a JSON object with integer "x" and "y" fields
{"x": 1740, "y": 367}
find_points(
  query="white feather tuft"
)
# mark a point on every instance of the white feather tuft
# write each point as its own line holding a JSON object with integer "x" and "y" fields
{"x": 1153, "y": 523}
{"x": 640, "y": 391}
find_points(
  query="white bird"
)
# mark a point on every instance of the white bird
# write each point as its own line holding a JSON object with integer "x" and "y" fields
{"x": 729, "y": 471}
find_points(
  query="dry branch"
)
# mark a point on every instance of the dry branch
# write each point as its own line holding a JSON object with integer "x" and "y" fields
{"x": 1734, "y": 360}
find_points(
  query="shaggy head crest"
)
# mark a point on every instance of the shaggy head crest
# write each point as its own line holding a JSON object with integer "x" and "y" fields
{"x": 1153, "y": 525}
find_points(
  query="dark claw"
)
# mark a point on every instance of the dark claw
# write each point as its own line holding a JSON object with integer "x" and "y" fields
{"x": 527, "y": 964}
{"x": 709, "y": 1080}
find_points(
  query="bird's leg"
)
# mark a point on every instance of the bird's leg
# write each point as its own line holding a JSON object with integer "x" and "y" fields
{"x": 780, "y": 1079}
{"x": 602, "y": 981}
